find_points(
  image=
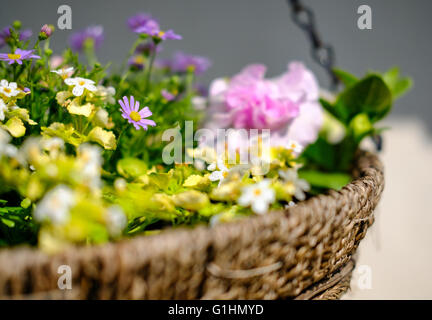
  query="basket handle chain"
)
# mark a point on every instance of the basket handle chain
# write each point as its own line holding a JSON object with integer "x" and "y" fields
{"x": 322, "y": 53}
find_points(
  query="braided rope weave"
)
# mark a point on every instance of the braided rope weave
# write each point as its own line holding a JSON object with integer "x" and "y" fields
{"x": 277, "y": 255}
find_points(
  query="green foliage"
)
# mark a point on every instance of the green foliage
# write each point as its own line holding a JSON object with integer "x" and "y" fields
{"x": 358, "y": 107}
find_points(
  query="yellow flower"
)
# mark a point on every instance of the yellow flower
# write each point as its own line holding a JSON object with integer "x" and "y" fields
{"x": 81, "y": 110}
{"x": 15, "y": 126}
{"x": 105, "y": 138}
{"x": 191, "y": 200}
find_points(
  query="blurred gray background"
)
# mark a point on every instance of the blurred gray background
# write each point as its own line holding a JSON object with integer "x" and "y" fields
{"x": 233, "y": 33}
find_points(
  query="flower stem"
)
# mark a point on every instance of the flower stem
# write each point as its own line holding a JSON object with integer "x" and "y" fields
{"x": 149, "y": 71}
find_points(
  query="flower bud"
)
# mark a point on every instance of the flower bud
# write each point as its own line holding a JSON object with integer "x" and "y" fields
{"x": 16, "y": 24}
{"x": 46, "y": 32}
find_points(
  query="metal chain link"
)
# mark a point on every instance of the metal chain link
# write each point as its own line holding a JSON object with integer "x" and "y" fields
{"x": 322, "y": 53}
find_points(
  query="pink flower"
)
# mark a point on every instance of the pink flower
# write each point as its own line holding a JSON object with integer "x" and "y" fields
{"x": 130, "y": 111}
{"x": 287, "y": 105}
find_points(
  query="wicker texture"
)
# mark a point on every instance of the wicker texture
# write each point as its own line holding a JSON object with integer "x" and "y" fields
{"x": 277, "y": 255}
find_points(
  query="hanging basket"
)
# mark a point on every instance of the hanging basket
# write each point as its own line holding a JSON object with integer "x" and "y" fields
{"x": 304, "y": 252}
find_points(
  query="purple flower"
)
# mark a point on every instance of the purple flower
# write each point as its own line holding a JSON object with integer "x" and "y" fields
{"x": 163, "y": 63}
{"x": 185, "y": 62}
{"x": 18, "y": 56}
{"x": 168, "y": 96}
{"x": 288, "y": 105}
{"x": 152, "y": 28}
{"x": 136, "y": 62}
{"x": 139, "y": 20}
{"x": 148, "y": 47}
{"x": 130, "y": 111}
{"x": 5, "y": 34}
{"x": 94, "y": 33}
{"x": 46, "y": 31}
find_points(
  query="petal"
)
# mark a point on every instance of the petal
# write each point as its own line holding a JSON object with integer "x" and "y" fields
{"x": 145, "y": 112}
{"x": 78, "y": 91}
{"x": 70, "y": 81}
{"x": 148, "y": 122}
{"x": 259, "y": 206}
{"x": 90, "y": 87}
{"x": 216, "y": 175}
{"x": 245, "y": 199}
{"x": 126, "y": 102}
{"x": 122, "y": 106}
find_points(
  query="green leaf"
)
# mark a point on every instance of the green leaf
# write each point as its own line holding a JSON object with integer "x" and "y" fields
{"x": 131, "y": 167}
{"x": 370, "y": 95}
{"x": 322, "y": 153}
{"x": 320, "y": 179}
{"x": 361, "y": 127}
{"x": 345, "y": 77}
{"x": 397, "y": 85}
{"x": 329, "y": 107}
{"x": 8, "y": 222}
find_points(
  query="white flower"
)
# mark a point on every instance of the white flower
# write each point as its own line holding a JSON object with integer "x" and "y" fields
{"x": 80, "y": 84}
{"x": 53, "y": 146}
{"x": 219, "y": 175}
{"x": 295, "y": 147}
{"x": 91, "y": 159}
{"x": 107, "y": 94}
{"x": 116, "y": 220}
{"x": 3, "y": 108}
{"x": 9, "y": 89}
{"x": 6, "y": 149}
{"x": 199, "y": 165}
{"x": 56, "y": 205}
{"x": 64, "y": 72}
{"x": 102, "y": 117}
{"x": 259, "y": 196}
{"x": 298, "y": 186}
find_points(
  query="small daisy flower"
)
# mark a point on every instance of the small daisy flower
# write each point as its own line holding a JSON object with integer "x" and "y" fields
{"x": 259, "y": 196}
{"x": 64, "y": 72}
{"x": 80, "y": 84}
{"x": 3, "y": 109}
{"x": 18, "y": 56}
{"x": 219, "y": 175}
{"x": 295, "y": 147}
{"x": 296, "y": 185}
{"x": 152, "y": 28}
{"x": 55, "y": 206}
{"x": 9, "y": 89}
{"x": 130, "y": 111}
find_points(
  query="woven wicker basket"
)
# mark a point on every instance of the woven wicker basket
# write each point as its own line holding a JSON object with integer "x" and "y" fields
{"x": 304, "y": 252}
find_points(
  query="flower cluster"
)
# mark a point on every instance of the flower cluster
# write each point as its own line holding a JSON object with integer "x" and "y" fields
{"x": 288, "y": 104}
{"x": 82, "y": 151}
